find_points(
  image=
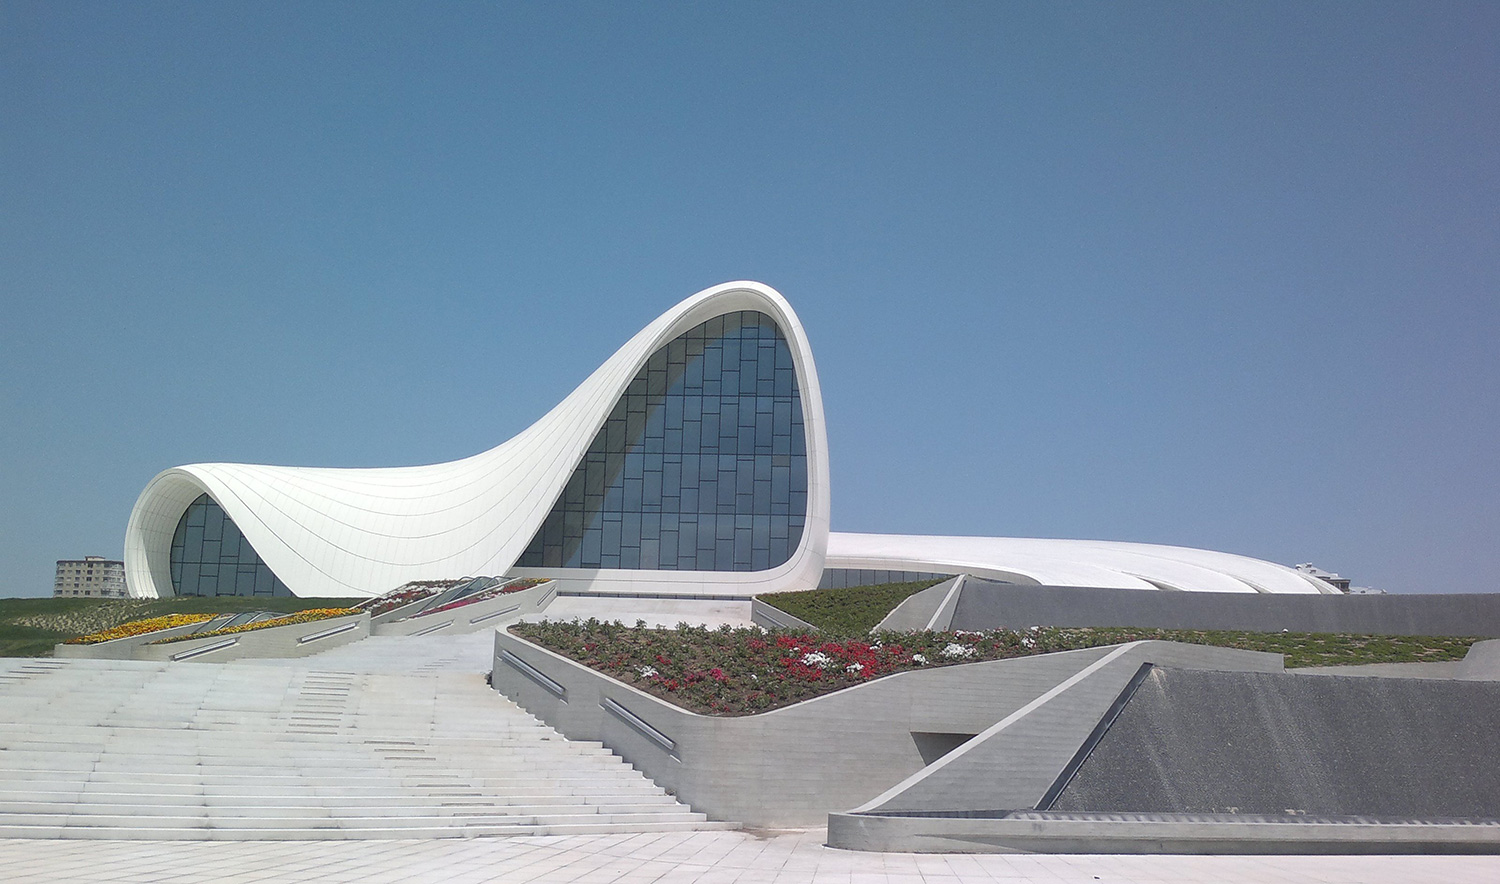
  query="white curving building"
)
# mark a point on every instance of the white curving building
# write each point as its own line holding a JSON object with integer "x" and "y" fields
{"x": 693, "y": 462}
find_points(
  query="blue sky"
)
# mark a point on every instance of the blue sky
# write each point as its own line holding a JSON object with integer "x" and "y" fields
{"x": 1218, "y": 275}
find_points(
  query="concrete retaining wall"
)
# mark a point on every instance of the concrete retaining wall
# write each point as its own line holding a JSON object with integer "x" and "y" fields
{"x": 1039, "y": 833}
{"x": 987, "y": 605}
{"x": 771, "y": 617}
{"x": 293, "y": 640}
{"x": 487, "y": 614}
{"x": 1011, "y": 765}
{"x": 120, "y": 648}
{"x": 1271, "y": 743}
{"x": 792, "y": 766}
{"x": 1195, "y": 761}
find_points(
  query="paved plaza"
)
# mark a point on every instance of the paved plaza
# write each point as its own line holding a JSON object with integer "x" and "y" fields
{"x": 677, "y": 858}
{"x": 430, "y": 687}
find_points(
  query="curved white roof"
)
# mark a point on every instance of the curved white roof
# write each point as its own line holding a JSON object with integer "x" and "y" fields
{"x": 356, "y": 532}
{"x": 360, "y": 532}
{"x": 1098, "y": 563}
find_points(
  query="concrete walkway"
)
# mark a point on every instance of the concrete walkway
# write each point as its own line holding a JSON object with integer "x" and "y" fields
{"x": 679, "y": 858}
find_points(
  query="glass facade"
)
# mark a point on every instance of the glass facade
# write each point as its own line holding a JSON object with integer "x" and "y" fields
{"x": 701, "y": 465}
{"x": 211, "y": 557}
{"x": 842, "y": 578}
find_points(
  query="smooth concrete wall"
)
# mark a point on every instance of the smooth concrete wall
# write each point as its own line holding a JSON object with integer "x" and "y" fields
{"x": 488, "y": 614}
{"x": 292, "y": 640}
{"x": 790, "y": 766}
{"x": 120, "y": 648}
{"x": 932, "y": 608}
{"x": 986, "y": 605}
{"x": 1273, "y": 743}
{"x": 1013, "y": 763}
{"x": 1039, "y": 833}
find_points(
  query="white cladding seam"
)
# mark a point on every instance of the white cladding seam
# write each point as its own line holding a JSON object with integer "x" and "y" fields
{"x": 361, "y": 532}
{"x": 1097, "y": 563}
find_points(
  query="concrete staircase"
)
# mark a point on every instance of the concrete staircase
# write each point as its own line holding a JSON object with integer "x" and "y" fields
{"x": 126, "y": 749}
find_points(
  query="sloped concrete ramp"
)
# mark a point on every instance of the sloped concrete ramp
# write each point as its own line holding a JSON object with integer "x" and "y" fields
{"x": 1260, "y": 743}
{"x": 1219, "y": 762}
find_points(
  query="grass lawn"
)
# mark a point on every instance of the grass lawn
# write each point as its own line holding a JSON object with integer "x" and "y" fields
{"x": 852, "y": 611}
{"x": 30, "y": 627}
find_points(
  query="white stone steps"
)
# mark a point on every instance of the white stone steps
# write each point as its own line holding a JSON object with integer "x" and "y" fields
{"x": 137, "y": 833}
{"x": 135, "y": 750}
{"x": 110, "y": 780}
{"x": 168, "y": 805}
{"x": 116, "y": 815}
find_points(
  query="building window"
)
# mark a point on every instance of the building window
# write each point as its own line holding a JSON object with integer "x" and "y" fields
{"x": 700, "y": 466}
{"x": 211, "y": 557}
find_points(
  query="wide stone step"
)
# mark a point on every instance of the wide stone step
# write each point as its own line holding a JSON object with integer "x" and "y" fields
{"x": 635, "y": 798}
{"x": 135, "y": 750}
{"x": 331, "y": 834}
{"x": 19, "y": 811}
{"x": 437, "y": 778}
{"x": 397, "y": 805}
{"x": 270, "y": 820}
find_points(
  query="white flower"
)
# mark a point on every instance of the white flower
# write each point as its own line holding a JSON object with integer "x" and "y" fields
{"x": 855, "y": 667}
{"x": 648, "y": 672}
{"x": 817, "y": 658}
{"x": 1028, "y": 642}
{"x": 956, "y": 651}
{"x": 918, "y": 658}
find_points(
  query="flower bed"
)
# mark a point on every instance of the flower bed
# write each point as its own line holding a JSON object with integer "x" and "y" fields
{"x": 404, "y": 595}
{"x": 140, "y": 627}
{"x": 730, "y": 671}
{"x": 503, "y": 589}
{"x": 307, "y": 616}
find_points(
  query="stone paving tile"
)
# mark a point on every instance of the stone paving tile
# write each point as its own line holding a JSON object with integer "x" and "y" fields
{"x": 691, "y": 858}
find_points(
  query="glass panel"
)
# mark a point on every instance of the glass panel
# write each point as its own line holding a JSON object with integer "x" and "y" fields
{"x": 203, "y": 564}
{"x": 711, "y": 425}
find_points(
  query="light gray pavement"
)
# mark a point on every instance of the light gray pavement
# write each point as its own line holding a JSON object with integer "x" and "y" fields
{"x": 679, "y": 858}
{"x": 400, "y": 654}
{"x": 656, "y": 612}
{"x": 710, "y": 857}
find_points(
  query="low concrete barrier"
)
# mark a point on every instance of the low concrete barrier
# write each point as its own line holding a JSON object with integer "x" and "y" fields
{"x": 1187, "y": 834}
{"x": 488, "y": 614}
{"x": 986, "y": 605}
{"x": 292, "y": 640}
{"x": 120, "y": 648}
{"x": 793, "y": 766}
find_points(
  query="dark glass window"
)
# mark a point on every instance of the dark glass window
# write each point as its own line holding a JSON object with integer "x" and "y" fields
{"x": 701, "y": 466}
{"x": 211, "y": 557}
{"x": 842, "y": 578}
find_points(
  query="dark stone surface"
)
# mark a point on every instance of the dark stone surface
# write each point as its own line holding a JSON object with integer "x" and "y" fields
{"x": 986, "y": 605}
{"x": 1259, "y": 743}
